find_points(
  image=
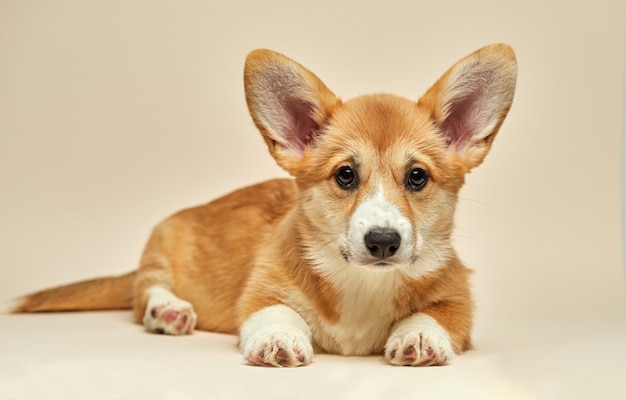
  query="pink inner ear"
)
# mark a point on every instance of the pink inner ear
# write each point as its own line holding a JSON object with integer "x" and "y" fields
{"x": 463, "y": 122}
{"x": 300, "y": 129}
{"x": 474, "y": 97}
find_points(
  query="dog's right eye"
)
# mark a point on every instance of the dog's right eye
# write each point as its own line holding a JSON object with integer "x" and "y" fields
{"x": 346, "y": 178}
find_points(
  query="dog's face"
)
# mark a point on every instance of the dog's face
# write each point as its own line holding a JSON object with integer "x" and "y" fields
{"x": 379, "y": 175}
{"x": 379, "y": 186}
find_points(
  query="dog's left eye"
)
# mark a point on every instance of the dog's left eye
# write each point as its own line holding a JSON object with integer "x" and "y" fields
{"x": 416, "y": 179}
{"x": 346, "y": 178}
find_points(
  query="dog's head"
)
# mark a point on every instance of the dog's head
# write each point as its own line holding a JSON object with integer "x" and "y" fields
{"x": 379, "y": 175}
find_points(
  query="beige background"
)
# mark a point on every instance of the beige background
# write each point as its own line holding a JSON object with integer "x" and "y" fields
{"x": 115, "y": 114}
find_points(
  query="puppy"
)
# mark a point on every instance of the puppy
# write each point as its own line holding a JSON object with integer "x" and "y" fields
{"x": 353, "y": 256}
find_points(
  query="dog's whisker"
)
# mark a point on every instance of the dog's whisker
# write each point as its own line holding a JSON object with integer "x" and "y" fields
{"x": 474, "y": 201}
{"x": 434, "y": 252}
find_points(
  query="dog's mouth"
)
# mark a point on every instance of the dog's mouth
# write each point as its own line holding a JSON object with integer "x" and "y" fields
{"x": 377, "y": 263}
{"x": 382, "y": 264}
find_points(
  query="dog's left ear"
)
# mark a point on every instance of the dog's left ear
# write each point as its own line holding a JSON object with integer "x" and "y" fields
{"x": 288, "y": 103}
{"x": 470, "y": 101}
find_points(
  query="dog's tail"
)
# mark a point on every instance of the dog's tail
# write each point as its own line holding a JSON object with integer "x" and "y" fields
{"x": 111, "y": 293}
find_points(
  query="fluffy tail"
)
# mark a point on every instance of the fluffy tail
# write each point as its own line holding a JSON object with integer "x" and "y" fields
{"x": 112, "y": 293}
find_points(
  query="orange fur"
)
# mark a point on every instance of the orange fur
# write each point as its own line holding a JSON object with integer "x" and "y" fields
{"x": 283, "y": 242}
{"x": 95, "y": 294}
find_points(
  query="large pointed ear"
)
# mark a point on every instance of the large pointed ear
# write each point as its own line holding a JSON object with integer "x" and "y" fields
{"x": 288, "y": 103}
{"x": 470, "y": 101}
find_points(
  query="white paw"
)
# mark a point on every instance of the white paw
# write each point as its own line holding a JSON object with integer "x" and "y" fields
{"x": 276, "y": 336}
{"x": 166, "y": 313}
{"x": 277, "y": 347}
{"x": 419, "y": 340}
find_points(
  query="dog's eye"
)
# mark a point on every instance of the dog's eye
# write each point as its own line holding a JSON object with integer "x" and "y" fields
{"x": 416, "y": 179}
{"x": 346, "y": 178}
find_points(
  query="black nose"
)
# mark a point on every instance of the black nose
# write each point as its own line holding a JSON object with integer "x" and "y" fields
{"x": 382, "y": 242}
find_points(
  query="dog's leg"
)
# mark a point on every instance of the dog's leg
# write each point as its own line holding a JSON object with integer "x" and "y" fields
{"x": 419, "y": 340}
{"x": 155, "y": 304}
{"x": 276, "y": 336}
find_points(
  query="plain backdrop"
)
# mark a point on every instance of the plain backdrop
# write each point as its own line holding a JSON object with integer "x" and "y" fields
{"x": 115, "y": 114}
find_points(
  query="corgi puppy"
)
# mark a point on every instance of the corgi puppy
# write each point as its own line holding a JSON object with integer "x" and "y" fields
{"x": 353, "y": 256}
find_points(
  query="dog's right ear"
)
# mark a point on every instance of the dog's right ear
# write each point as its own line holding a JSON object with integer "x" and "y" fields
{"x": 470, "y": 101}
{"x": 288, "y": 103}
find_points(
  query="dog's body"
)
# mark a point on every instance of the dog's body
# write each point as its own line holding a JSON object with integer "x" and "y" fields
{"x": 354, "y": 255}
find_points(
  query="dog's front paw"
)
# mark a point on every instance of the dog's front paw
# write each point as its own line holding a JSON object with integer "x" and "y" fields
{"x": 276, "y": 336}
{"x": 278, "y": 349}
{"x": 419, "y": 341}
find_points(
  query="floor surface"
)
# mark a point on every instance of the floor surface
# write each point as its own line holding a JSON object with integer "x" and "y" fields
{"x": 102, "y": 355}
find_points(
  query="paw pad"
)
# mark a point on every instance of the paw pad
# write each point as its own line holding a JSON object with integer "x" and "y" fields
{"x": 171, "y": 316}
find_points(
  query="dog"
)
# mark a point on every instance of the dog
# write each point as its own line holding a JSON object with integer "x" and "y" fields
{"x": 352, "y": 256}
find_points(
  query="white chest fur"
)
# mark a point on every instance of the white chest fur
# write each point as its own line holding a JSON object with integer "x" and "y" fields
{"x": 366, "y": 307}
